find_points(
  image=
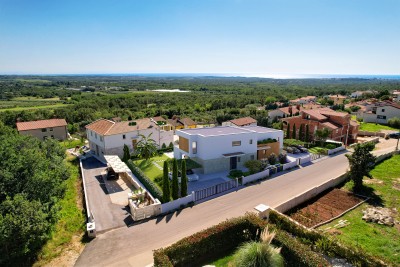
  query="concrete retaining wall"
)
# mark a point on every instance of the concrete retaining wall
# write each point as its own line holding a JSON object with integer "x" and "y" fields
{"x": 176, "y": 204}
{"x": 303, "y": 197}
{"x": 255, "y": 177}
{"x": 367, "y": 133}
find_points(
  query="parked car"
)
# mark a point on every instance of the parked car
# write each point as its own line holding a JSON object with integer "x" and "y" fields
{"x": 301, "y": 148}
{"x": 394, "y": 135}
{"x": 296, "y": 150}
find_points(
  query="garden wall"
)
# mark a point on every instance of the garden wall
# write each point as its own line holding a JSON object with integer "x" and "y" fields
{"x": 176, "y": 204}
{"x": 289, "y": 165}
{"x": 367, "y": 133}
{"x": 335, "y": 150}
{"x": 255, "y": 177}
{"x": 303, "y": 197}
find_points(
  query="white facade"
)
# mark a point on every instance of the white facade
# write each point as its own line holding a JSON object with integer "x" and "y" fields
{"x": 101, "y": 145}
{"x": 224, "y": 148}
{"x": 380, "y": 114}
{"x": 356, "y": 94}
{"x": 276, "y": 113}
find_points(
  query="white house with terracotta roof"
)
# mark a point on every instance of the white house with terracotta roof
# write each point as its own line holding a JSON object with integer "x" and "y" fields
{"x": 304, "y": 100}
{"x": 227, "y": 147}
{"x": 246, "y": 121}
{"x": 380, "y": 112}
{"x": 53, "y": 128}
{"x": 108, "y": 137}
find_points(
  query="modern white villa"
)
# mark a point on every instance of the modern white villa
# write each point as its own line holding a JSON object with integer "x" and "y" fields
{"x": 227, "y": 147}
{"x": 107, "y": 137}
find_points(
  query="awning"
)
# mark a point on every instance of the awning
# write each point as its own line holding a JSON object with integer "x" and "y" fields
{"x": 116, "y": 163}
{"x": 229, "y": 155}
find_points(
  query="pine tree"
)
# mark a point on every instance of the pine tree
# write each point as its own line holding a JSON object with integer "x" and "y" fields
{"x": 301, "y": 132}
{"x": 184, "y": 180}
{"x": 175, "y": 182}
{"x": 166, "y": 184}
{"x": 288, "y": 131}
{"x": 294, "y": 131}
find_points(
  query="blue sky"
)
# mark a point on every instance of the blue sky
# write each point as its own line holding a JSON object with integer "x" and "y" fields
{"x": 200, "y": 36}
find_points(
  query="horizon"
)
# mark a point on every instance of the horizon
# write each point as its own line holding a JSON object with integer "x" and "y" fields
{"x": 219, "y": 37}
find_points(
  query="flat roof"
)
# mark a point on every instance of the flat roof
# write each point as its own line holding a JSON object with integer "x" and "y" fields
{"x": 226, "y": 130}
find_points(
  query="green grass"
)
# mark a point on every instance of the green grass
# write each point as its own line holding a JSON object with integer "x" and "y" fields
{"x": 378, "y": 240}
{"x": 318, "y": 150}
{"x": 372, "y": 127}
{"x": 71, "y": 219}
{"x": 151, "y": 171}
{"x": 34, "y": 107}
{"x": 72, "y": 143}
{"x": 222, "y": 262}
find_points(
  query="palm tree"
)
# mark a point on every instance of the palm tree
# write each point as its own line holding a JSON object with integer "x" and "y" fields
{"x": 257, "y": 254}
{"x": 146, "y": 147}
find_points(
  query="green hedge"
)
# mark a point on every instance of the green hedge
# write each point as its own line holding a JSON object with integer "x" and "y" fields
{"x": 212, "y": 242}
{"x": 352, "y": 254}
{"x": 149, "y": 184}
{"x": 296, "y": 253}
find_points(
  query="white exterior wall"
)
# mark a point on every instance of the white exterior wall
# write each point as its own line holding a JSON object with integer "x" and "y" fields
{"x": 275, "y": 114}
{"x": 94, "y": 139}
{"x": 390, "y": 112}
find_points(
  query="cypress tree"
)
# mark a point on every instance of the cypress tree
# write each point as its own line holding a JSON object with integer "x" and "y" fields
{"x": 166, "y": 185}
{"x": 127, "y": 154}
{"x": 175, "y": 182}
{"x": 307, "y": 137}
{"x": 301, "y": 132}
{"x": 288, "y": 131}
{"x": 294, "y": 132}
{"x": 184, "y": 180}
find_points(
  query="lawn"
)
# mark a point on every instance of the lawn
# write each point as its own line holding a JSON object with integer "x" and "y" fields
{"x": 373, "y": 127}
{"x": 382, "y": 241}
{"x": 222, "y": 262}
{"x": 52, "y": 106}
{"x": 149, "y": 167}
{"x": 72, "y": 143}
{"x": 69, "y": 230}
{"x": 318, "y": 150}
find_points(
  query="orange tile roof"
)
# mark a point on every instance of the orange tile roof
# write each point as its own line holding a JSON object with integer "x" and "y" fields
{"x": 158, "y": 118}
{"x": 187, "y": 121}
{"x": 106, "y": 127}
{"x": 32, "y": 125}
{"x": 286, "y": 110}
{"x": 243, "y": 121}
{"x": 315, "y": 113}
{"x": 330, "y": 125}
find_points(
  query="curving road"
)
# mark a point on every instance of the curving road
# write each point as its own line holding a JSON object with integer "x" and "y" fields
{"x": 133, "y": 246}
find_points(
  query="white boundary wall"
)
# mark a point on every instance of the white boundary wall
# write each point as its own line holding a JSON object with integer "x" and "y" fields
{"x": 176, "y": 204}
{"x": 335, "y": 150}
{"x": 255, "y": 177}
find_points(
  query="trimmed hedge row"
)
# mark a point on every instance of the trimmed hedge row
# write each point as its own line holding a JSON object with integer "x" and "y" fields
{"x": 354, "y": 255}
{"x": 149, "y": 184}
{"x": 212, "y": 242}
{"x": 296, "y": 253}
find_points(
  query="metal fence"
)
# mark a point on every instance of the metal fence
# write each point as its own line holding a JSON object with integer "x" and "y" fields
{"x": 215, "y": 189}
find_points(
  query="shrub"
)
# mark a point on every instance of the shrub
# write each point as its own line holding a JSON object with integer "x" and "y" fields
{"x": 330, "y": 146}
{"x": 235, "y": 173}
{"x": 282, "y": 158}
{"x": 149, "y": 184}
{"x": 254, "y": 166}
{"x": 164, "y": 146}
{"x": 211, "y": 242}
{"x": 266, "y": 141}
{"x": 394, "y": 122}
{"x": 272, "y": 159}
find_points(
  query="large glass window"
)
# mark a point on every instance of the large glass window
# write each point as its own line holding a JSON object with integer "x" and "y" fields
{"x": 236, "y": 143}
{"x": 194, "y": 147}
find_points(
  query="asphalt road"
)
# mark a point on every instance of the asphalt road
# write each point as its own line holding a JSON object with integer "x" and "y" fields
{"x": 133, "y": 246}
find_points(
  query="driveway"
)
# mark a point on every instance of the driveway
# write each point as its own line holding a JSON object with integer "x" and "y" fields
{"x": 107, "y": 215}
{"x": 133, "y": 246}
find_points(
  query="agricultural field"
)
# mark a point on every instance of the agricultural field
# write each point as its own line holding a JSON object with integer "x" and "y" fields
{"x": 377, "y": 239}
{"x": 31, "y": 103}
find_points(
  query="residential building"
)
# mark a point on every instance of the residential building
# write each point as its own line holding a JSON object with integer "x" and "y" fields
{"x": 341, "y": 127}
{"x": 290, "y": 111}
{"x": 246, "y": 121}
{"x": 396, "y": 95}
{"x": 337, "y": 99}
{"x": 54, "y": 128}
{"x": 108, "y": 137}
{"x": 185, "y": 123}
{"x": 304, "y": 100}
{"x": 227, "y": 147}
{"x": 380, "y": 112}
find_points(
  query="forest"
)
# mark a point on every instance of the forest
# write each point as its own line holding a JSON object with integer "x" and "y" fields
{"x": 83, "y": 99}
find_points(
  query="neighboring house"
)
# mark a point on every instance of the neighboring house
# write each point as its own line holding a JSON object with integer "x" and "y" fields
{"x": 54, "y": 128}
{"x": 380, "y": 112}
{"x": 227, "y": 147}
{"x": 246, "y": 121}
{"x": 184, "y": 123}
{"x": 337, "y": 99}
{"x": 108, "y": 137}
{"x": 304, "y": 100}
{"x": 396, "y": 95}
{"x": 290, "y": 111}
{"x": 341, "y": 127}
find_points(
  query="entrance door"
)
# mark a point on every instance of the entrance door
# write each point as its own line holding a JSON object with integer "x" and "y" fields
{"x": 233, "y": 163}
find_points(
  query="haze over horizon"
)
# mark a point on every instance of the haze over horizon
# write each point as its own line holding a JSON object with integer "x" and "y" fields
{"x": 253, "y": 37}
